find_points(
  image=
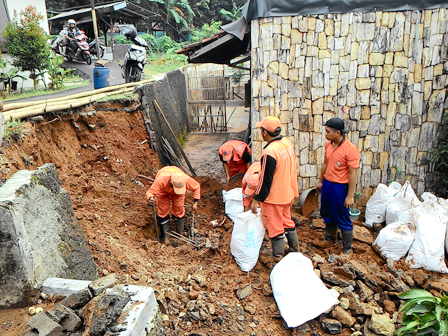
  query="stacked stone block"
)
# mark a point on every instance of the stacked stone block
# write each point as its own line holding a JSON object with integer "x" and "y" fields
{"x": 384, "y": 73}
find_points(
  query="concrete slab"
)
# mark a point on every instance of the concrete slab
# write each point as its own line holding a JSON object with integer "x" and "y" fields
{"x": 239, "y": 120}
{"x": 66, "y": 287}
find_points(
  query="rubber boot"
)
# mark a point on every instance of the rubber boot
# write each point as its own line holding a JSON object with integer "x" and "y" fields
{"x": 331, "y": 232}
{"x": 347, "y": 241}
{"x": 278, "y": 246}
{"x": 163, "y": 225}
{"x": 180, "y": 223}
{"x": 293, "y": 240}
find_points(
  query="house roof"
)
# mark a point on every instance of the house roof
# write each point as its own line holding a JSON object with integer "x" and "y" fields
{"x": 220, "y": 49}
{"x": 119, "y": 10}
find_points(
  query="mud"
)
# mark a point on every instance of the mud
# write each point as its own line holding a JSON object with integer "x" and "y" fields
{"x": 98, "y": 159}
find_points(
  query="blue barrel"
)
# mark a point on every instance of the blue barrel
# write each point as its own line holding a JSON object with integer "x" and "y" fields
{"x": 100, "y": 77}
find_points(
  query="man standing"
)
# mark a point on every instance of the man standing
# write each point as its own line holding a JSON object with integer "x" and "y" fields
{"x": 235, "y": 156}
{"x": 250, "y": 184}
{"x": 170, "y": 186}
{"x": 337, "y": 183}
{"x": 277, "y": 187}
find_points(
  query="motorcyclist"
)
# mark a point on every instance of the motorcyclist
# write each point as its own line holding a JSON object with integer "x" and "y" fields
{"x": 66, "y": 36}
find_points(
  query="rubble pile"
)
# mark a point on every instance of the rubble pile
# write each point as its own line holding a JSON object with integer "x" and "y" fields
{"x": 96, "y": 310}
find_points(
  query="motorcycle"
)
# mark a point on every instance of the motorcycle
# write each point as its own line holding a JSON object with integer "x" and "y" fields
{"x": 77, "y": 49}
{"x": 93, "y": 51}
{"x": 135, "y": 56}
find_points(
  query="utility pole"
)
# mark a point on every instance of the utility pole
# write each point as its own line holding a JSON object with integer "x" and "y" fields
{"x": 95, "y": 28}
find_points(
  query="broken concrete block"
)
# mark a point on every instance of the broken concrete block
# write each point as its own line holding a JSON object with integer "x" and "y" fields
{"x": 45, "y": 325}
{"x": 244, "y": 292}
{"x": 331, "y": 326}
{"x": 362, "y": 234}
{"x": 382, "y": 324}
{"x": 66, "y": 287}
{"x": 105, "y": 311}
{"x": 78, "y": 299}
{"x": 318, "y": 223}
{"x": 100, "y": 285}
{"x": 68, "y": 318}
{"x": 42, "y": 237}
{"x": 364, "y": 291}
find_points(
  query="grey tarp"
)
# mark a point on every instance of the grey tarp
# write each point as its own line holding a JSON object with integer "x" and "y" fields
{"x": 254, "y": 9}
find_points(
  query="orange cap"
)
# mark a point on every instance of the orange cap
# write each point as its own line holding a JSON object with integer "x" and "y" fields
{"x": 178, "y": 181}
{"x": 252, "y": 184}
{"x": 226, "y": 152}
{"x": 270, "y": 124}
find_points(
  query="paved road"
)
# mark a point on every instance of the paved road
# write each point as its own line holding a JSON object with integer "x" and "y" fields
{"x": 114, "y": 79}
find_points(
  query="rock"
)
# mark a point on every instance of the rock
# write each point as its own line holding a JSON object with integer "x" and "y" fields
{"x": 267, "y": 290}
{"x": 68, "y": 318}
{"x": 356, "y": 333}
{"x": 244, "y": 292}
{"x": 343, "y": 316}
{"x": 440, "y": 286}
{"x": 78, "y": 299}
{"x": 362, "y": 234}
{"x": 331, "y": 326}
{"x": 338, "y": 275}
{"x": 318, "y": 223}
{"x": 389, "y": 307}
{"x": 364, "y": 291}
{"x": 419, "y": 277}
{"x": 100, "y": 285}
{"x": 382, "y": 324}
{"x": 193, "y": 295}
{"x": 45, "y": 325}
{"x": 200, "y": 279}
{"x": 345, "y": 303}
{"x": 318, "y": 259}
{"x": 106, "y": 310}
{"x": 250, "y": 308}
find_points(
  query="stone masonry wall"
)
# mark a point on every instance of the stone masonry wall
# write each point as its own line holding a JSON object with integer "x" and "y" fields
{"x": 384, "y": 73}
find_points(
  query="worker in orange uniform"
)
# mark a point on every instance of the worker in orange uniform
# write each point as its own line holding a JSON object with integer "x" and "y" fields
{"x": 170, "y": 186}
{"x": 337, "y": 183}
{"x": 235, "y": 156}
{"x": 277, "y": 187}
{"x": 250, "y": 184}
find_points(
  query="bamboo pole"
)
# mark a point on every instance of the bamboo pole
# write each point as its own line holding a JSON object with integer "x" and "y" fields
{"x": 51, "y": 107}
{"x": 13, "y": 106}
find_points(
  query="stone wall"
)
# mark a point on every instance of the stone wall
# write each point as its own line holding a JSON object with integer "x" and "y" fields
{"x": 384, "y": 73}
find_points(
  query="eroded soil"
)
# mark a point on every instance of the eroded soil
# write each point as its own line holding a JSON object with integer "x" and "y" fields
{"x": 99, "y": 158}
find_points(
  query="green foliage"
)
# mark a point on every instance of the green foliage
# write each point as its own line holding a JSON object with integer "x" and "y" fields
{"x": 424, "y": 313}
{"x": 13, "y": 128}
{"x": 165, "y": 43}
{"x": 439, "y": 161}
{"x": 237, "y": 76}
{"x": 56, "y": 73}
{"x": 120, "y": 39}
{"x": 150, "y": 39}
{"x": 232, "y": 15}
{"x": 7, "y": 76}
{"x": 207, "y": 30}
{"x": 26, "y": 41}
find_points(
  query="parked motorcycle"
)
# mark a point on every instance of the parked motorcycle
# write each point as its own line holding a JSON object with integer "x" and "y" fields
{"x": 135, "y": 57}
{"x": 77, "y": 49}
{"x": 93, "y": 50}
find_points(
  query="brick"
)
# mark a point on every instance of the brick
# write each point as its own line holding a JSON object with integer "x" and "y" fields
{"x": 100, "y": 285}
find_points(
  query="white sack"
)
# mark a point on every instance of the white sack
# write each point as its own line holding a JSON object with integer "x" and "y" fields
{"x": 300, "y": 294}
{"x": 444, "y": 204}
{"x": 377, "y": 204}
{"x": 428, "y": 197}
{"x": 247, "y": 237}
{"x": 233, "y": 202}
{"x": 405, "y": 199}
{"x": 394, "y": 240}
{"x": 428, "y": 249}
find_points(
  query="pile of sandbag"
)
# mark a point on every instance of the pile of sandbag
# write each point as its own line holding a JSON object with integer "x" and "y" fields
{"x": 413, "y": 228}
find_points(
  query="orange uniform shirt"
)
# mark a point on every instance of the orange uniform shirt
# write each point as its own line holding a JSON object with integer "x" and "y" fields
{"x": 339, "y": 160}
{"x": 254, "y": 168}
{"x": 162, "y": 183}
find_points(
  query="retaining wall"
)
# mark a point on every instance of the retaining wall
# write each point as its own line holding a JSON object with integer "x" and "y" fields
{"x": 385, "y": 73}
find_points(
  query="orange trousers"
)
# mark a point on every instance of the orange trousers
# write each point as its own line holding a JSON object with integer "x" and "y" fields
{"x": 276, "y": 218}
{"x": 235, "y": 169}
{"x": 164, "y": 201}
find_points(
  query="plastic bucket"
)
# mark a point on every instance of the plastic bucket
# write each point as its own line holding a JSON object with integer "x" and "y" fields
{"x": 354, "y": 214}
{"x": 100, "y": 77}
{"x": 309, "y": 201}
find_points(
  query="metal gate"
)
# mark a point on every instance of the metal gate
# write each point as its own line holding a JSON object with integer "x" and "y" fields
{"x": 207, "y": 102}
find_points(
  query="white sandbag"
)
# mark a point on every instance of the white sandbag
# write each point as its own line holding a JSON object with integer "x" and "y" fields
{"x": 444, "y": 204}
{"x": 377, "y": 204}
{"x": 233, "y": 202}
{"x": 247, "y": 237}
{"x": 428, "y": 249}
{"x": 428, "y": 197}
{"x": 300, "y": 294}
{"x": 394, "y": 240}
{"x": 404, "y": 200}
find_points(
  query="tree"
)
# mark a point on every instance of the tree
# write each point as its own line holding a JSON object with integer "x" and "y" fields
{"x": 26, "y": 42}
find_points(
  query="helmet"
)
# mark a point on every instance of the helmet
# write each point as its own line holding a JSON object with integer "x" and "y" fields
{"x": 71, "y": 22}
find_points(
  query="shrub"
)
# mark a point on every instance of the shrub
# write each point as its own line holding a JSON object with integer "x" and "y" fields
{"x": 26, "y": 41}
{"x": 165, "y": 43}
{"x": 207, "y": 30}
